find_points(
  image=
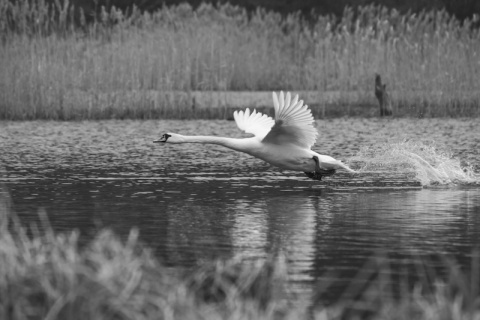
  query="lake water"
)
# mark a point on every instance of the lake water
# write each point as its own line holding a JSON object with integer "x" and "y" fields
{"x": 417, "y": 192}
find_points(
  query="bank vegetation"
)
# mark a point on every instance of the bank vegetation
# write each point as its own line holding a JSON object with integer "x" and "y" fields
{"x": 131, "y": 64}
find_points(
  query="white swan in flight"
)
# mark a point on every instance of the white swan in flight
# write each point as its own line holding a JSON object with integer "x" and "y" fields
{"x": 284, "y": 142}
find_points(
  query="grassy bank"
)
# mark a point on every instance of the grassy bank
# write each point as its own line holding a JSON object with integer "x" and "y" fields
{"x": 47, "y": 275}
{"x": 53, "y": 65}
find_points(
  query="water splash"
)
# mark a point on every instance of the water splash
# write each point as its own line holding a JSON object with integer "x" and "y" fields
{"x": 430, "y": 164}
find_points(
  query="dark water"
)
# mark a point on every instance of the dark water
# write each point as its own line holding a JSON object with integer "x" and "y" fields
{"x": 417, "y": 191}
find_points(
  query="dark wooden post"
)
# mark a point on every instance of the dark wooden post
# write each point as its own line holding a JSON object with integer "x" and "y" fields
{"x": 382, "y": 97}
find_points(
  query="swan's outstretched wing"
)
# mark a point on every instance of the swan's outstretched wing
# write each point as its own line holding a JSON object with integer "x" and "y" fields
{"x": 293, "y": 122}
{"x": 255, "y": 123}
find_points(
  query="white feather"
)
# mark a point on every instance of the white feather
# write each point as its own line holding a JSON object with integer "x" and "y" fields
{"x": 255, "y": 123}
{"x": 294, "y": 122}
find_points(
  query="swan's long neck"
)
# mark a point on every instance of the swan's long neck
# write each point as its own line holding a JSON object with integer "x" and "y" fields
{"x": 244, "y": 145}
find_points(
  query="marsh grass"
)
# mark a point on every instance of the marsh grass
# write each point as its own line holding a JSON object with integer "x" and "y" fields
{"x": 48, "y": 275}
{"x": 45, "y": 275}
{"x": 55, "y": 65}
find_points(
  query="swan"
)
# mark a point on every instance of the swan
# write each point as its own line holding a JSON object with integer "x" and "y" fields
{"x": 285, "y": 142}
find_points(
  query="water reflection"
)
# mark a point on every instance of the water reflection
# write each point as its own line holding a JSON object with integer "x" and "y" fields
{"x": 279, "y": 222}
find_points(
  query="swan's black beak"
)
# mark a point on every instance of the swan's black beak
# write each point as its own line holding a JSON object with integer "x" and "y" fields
{"x": 164, "y": 138}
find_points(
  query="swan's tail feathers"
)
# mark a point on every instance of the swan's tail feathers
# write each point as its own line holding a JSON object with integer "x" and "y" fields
{"x": 344, "y": 166}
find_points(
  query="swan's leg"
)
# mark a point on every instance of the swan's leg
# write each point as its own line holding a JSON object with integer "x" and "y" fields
{"x": 319, "y": 172}
{"x": 313, "y": 175}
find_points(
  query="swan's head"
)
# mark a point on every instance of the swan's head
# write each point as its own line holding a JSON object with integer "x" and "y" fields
{"x": 170, "y": 138}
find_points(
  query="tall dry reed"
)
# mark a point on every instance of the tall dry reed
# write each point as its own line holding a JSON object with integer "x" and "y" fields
{"x": 55, "y": 65}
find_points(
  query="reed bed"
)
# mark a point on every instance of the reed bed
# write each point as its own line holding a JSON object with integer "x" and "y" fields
{"x": 55, "y": 65}
{"x": 48, "y": 275}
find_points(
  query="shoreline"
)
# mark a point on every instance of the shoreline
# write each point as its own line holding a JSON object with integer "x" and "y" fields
{"x": 154, "y": 104}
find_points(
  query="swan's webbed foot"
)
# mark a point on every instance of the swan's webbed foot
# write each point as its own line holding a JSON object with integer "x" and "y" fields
{"x": 319, "y": 172}
{"x": 313, "y": 175}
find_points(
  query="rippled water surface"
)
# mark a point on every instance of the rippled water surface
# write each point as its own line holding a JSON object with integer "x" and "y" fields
{"x": 417, "y": 190}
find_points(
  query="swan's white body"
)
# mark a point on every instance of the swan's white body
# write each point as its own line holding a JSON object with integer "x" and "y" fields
{"x": 284, "y": 142}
